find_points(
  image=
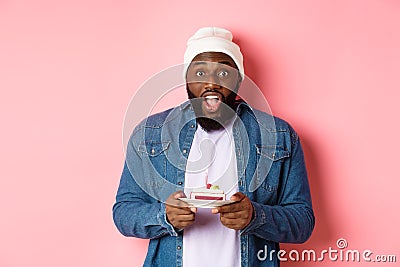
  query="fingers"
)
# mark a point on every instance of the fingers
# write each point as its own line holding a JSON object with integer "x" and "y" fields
{"x": 236, "y": 220}
{"x": 173, "y": 200}
{"x": 181, "y": 217}
{"x": 236, "y": 215}
{"x": 180, "y": 221}
{"x": 240, "y": 205}
{"x": 178, "y": 212}
{"x": 236, "y": 224}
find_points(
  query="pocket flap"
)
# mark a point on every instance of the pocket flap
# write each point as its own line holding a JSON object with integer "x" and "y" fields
{"x": 272, "y": 152}
{"x": 153, "y": 148}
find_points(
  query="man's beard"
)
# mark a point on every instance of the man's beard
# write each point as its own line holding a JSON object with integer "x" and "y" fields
{"x": 227, "y": 109}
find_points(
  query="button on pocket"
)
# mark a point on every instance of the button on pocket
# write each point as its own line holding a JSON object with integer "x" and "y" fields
{"x": 152, "y": 148}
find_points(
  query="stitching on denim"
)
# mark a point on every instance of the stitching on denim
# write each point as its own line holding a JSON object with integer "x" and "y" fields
{"x": 279, "y": 152}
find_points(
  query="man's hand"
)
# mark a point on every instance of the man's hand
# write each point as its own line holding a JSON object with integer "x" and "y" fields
{"x": 236, "y": 215}
{"x": 179, "y": 214}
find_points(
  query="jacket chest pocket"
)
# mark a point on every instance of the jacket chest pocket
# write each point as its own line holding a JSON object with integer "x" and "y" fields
{"x": 155, "y": 154}
{"x": 269, "y": 170}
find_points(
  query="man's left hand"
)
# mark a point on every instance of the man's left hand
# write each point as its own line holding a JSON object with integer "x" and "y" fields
{"x": 236, "y": 215}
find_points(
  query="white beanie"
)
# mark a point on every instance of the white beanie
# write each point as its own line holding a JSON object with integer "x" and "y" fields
{"x": 213, "y": 39}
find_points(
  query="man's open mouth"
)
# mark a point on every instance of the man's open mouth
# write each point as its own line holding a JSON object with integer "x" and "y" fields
{"x": 212, "y": 100}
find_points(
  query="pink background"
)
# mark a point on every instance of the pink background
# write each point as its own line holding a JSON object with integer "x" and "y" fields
{"x": 68, "y": 70}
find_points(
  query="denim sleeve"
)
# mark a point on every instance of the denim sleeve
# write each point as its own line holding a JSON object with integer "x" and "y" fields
{"x": 137, "y": 214}
{"x": 292, "y": 219}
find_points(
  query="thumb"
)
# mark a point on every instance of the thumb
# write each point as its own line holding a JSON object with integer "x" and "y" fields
{"x": 179, "y": 194}
{"x": 237, "y": 197}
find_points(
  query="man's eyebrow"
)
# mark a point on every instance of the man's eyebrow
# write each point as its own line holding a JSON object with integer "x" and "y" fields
{"x": 196, "y": 63}
{"x": 226, "y": 63}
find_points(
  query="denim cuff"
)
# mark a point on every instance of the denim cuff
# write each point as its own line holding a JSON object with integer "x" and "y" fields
{"x": 259, "y": 218}
{"x": 163, "y": 221}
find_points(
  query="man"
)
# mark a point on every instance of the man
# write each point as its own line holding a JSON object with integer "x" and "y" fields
{"x": 214, "y": 138}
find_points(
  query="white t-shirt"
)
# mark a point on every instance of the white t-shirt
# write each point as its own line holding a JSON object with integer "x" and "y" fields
{"x": 207, "y": 242}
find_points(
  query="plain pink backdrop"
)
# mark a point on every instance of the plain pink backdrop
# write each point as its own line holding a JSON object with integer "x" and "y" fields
{"x": 68, "y": 70}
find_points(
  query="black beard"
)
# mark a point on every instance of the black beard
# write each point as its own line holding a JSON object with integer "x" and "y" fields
{"x": 210, "y": 124}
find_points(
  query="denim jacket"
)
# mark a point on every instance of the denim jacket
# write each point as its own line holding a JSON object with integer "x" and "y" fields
{"x": 271, "y": 172}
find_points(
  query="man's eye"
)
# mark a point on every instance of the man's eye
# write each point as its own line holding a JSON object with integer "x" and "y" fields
{"x": 223, "y": 74}
{"x": 200, "y": 73}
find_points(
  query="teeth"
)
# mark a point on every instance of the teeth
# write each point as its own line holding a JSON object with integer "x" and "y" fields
{"x": 212, "y": 97}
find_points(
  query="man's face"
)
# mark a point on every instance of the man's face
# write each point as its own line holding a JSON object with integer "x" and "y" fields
{"x": 212, "y": 83}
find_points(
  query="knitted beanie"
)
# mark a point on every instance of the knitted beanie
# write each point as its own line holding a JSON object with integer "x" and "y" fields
{"x": 213, "y": 39}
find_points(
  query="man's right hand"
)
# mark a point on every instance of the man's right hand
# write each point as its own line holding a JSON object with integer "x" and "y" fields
{"x": 179, "y": 214}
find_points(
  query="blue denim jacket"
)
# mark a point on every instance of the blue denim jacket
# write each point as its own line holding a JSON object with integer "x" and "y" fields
{"x": 271, "y": 172}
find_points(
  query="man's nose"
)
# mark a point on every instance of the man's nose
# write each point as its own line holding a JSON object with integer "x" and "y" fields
{"x": 213, "y": 83}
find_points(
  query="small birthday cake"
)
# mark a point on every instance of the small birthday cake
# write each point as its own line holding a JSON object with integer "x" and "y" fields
{"x": 211, "y": 192}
